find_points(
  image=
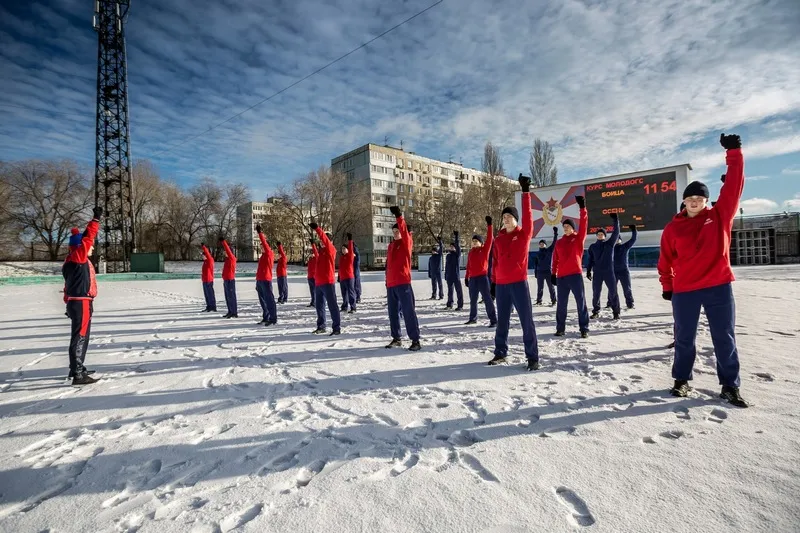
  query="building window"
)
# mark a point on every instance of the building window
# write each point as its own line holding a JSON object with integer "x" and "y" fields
{"x": 408, "y": 163}
{"x": 410, "y": 202}
{"x": 402, "y": 175}
{"x": 402, "y": 188}
{"x": 411, "y": 189}
{"x": 402, "y": 202}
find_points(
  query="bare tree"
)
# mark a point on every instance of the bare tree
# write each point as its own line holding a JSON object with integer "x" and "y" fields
{"x": 490, "y": 194}
{"x": 46, "y": 199}
{"x": 542, "y": 164}
{"x": 146, "y": 186}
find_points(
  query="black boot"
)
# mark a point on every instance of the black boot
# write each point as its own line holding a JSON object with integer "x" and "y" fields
{"x": 671, "y": 345}
{"x": 732, "y": 396}
{"x": 594, "y": 314}
{"x": 584, "y": 334}
{"x": 498, "y": 359}
{"x": 335, "y": 332}
{"x": 396, "y": 343}
{"x": 415, "y": 346}
{"x": 318, "y": 331}
{"x": 553, "y": 303}
{"x": 616, "y": 316}
{"x": 681, "y": 388}
{"x": 532, "y": 365}
{"x": 559, "y": 334}
{"x": 492, "y": 325}
{"x": 83, "y": 379}
{"x": 470, "y": 322}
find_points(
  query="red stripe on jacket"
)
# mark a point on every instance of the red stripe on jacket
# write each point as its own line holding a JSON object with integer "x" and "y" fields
{"x": 695, "y": 251}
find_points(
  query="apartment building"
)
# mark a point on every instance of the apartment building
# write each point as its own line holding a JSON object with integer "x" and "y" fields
{"x": 395, "y": 177}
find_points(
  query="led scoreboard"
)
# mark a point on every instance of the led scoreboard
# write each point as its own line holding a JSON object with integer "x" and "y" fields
{"x": 647, "y": 201}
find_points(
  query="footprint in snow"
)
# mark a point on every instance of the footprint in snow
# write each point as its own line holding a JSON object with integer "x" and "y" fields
{"x": 410, "y": 461}
{"x": 579, "y": 516}
{"x": 240, "y": 518}
{"x": 764, "y": 377}
{"x": 717, "y": 415}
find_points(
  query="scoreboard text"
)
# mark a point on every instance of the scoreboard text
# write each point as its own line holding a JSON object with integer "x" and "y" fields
{"x": 650, "y": 202}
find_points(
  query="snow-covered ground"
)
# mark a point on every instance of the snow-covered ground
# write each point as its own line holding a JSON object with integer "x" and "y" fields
{"x": 203, "y": 424}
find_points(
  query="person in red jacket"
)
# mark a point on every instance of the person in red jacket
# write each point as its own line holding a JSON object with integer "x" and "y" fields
{"x": 477, "y": 277}
{"x": 694, "y": 268}
{"x": 567, "y": 271}
{"x": 207, "y": 278}
{"x": 323, "y": 283}
{"x": 229, "y": 279}
{"x": 347, "y": 276}
{"x": 269, "y": 312}
{"x": 80, "y": 289}
{"x": 398, "y": 284}
{"x": 283, "y": 285}
{"x": 312, "y": 271}
{"x": 510, "y": 270}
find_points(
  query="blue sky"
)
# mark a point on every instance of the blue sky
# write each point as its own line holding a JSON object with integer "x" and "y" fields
{"x": 615, "y": 86}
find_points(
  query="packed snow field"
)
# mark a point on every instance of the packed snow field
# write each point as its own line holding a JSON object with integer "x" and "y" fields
{"x": 204, "y": 424}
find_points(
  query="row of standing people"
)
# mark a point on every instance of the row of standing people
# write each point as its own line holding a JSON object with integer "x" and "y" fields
{"x": 694, "y": 272}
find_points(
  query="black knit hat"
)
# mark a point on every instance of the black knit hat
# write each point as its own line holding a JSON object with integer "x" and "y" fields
{"x": 511, "y": 210}
{"x": 478, "y": 238}
{"x": 568, "y": 222}
{"x": 601, "y": 230}
{"x": 543, "y": 242}
{"x": 695, "y": 188}
{"x": 395, "y": 227}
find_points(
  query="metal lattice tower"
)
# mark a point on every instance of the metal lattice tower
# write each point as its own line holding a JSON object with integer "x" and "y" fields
{"x": 112, "y": 175}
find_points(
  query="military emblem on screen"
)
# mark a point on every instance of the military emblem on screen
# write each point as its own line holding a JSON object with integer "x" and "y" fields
{"x": 552, "y": 212}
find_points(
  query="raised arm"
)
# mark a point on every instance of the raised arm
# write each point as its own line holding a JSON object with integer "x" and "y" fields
{"x": 615, "y": 232}
{"x": 728, "y": 203}
{"x": 584, "y": 219}
{"x": 458, "y": 243}
{"x": 228, "y": 249}
{"x": 281, "y": 252}
{"x": 264, "y": 243}
{"x": 527, "y": 209}
{"x": 81, "y": 253}
{"x": 555, "y": 238}
{"x": 206, "y": 253}
{"x": 634, "y": 234}
{"x": 314, "y": 251}
{"x": 439, "y": 246}
{"x": 554, "y": 265}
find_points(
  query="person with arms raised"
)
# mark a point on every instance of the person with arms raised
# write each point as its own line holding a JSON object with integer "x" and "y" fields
{"x": 567, "y": 271}
{"x": 452, "y": 274}
{"x": 511, "y": 276}
{"x": 477, "y": 277}
{"x": 207, "y": 277}
{"x": 80, "y": 290}
{"x": 229, "y": 279}
{"x": 323, "y": 282}
{"x": 622, "y": 271}
{"x": 543, "y": 260}
{"x": 694, "y": 268}
{"x": 398, "y": 284}
{"x": 435, "y": 269}
{"x": 312, "y": 272}
{"x": 601, "y": 259}
{"x": 283, "y": 285}
{"x": 269, "y": 312}
{"x": 346, "y": 276}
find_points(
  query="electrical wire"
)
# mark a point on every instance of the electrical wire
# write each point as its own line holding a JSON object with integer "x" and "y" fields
{"x": 304, "y": 78}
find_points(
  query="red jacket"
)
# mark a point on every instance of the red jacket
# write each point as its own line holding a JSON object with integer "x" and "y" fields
{"x": 229, "y": 268}
{"x": 346, "y": 263}
{"x": 78, "y": 271}
{"x": 511, "y": 248}
{"x": 398, "y": 257}
{"x": 695, "y": 251}
{"x": 264, "y": 271}
{"x": 478, "y": 258}
{"x": 312, "y": 262}
{"x": 282, "y": 260}
{"x": 326, "y": 259}
{"x": 208, "y": 266}
{"x": 568, "y": 252}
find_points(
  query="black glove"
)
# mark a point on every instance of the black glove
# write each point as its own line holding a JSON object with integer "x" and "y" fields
{"x": 722, "y": 178}
{"x": 202, "y": 245}
{"x": 581, "y": 201}
{"x": 313, "y": 226}
{"x": 97, "y": 212}
{"x": 524, "y": 182}
{"x": 396, "y": 211}
{"x": 667, "y": 295}
{"x": 614, "y": 217}
{"x": 632, "y": 227}
{"x": 589, "y": 275}
{"x": 729, "y": 142}
{"x": 349, "y": 236}
{"x": 311, "y": 241}
{"x": 221, "y": 238}
{"x": 466, "y": 283}
{"x": 258, "y": 228}
{"x": 555, "y": 231}
{"x": 553, "y": 279}
{"x": 278, "y": 243}
{"x": 455, "y": 233}
{"x": 409, "y": 228}
{"x": 439, "y": 238}
{"x": 488, "y": 221}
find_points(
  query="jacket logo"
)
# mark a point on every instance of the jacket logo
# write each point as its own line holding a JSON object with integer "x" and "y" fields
{"x": 514, "y": 239}
{"x": 708, "y": 221}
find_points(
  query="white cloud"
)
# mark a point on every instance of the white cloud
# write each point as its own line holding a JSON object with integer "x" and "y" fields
{"x": 757, "y": 178}
{"x": 793, "y": 204}
{"x": 758, "y": 206}
{"x": 614, "y": 85}
{"x": 793, "y": 170}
